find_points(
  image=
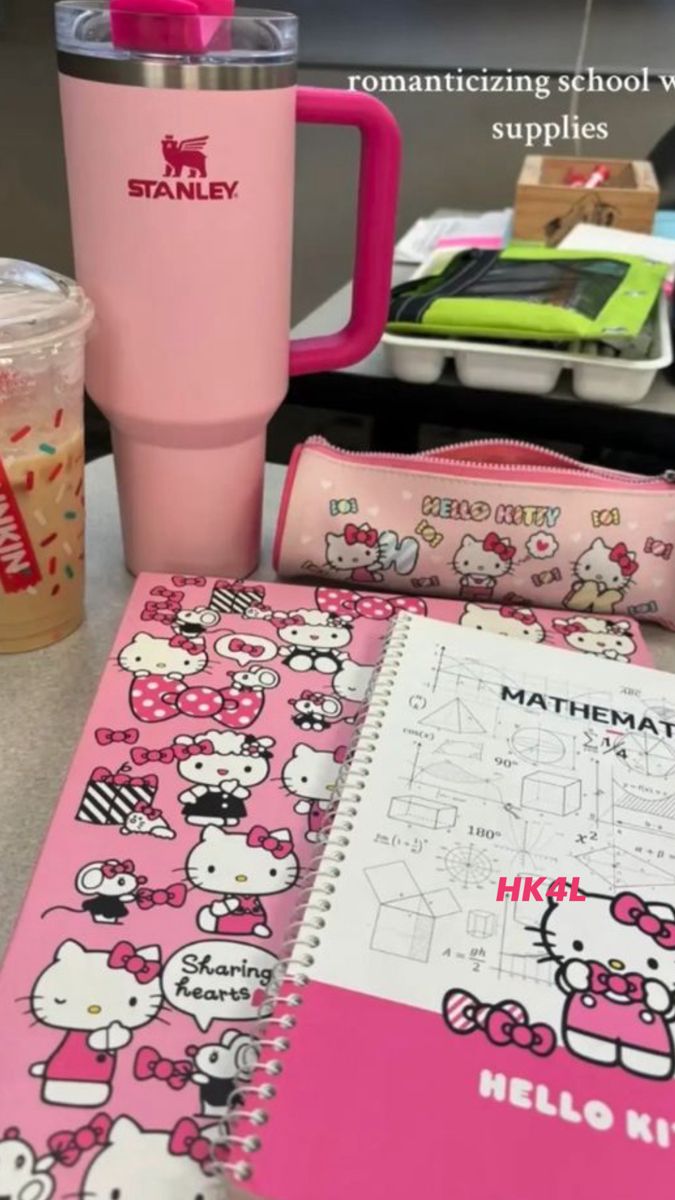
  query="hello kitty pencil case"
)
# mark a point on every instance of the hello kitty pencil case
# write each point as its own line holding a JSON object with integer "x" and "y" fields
{"x": 487, "y": 521}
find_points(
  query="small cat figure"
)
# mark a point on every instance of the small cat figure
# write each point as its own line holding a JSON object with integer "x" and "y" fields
{"x": 98, "y": 997}
{"x": 242, "y": 867}
{"x": 481, "y": 564}
{"x": 509, "y": 621}
{"x": 616, "y": 969}
{"x": 311, "y": 775}
{"x": 602, "y": 575}
{"x": 597, "y": 635}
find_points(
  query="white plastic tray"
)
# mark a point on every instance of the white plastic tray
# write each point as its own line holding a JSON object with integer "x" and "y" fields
{"x": 521, "y": 369}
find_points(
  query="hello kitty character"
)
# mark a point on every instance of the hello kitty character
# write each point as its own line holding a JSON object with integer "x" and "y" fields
{"x": 617, "y": 971}
{"x": 311, "y": 775}
{"x": 147, "y": 819}
{"x": 314, "y": 640}
{"x": 221, "y": 768}
{"x": 242, "y": 867}
{"x": 139, "y": 1164}
{"x": 596, "y": 635}
{"x": 220, "y": 1068}
{"x": 23, "y": 1174}
{"x": 315, "y": 712}
{"x": 507, "y": 620}
{"x": 159, "y": 667}
{"x": 602, "y": 576}
{"x": 109, "y": 887}
{"x": 352, "y": 681}
{"x": 481, "y": 563}
{"x": 98, "y": 997}
{"x": 361, "y": 554}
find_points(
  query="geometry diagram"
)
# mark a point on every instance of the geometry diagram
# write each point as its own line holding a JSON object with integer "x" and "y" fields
{"x": 649, "y": 755}
{"x": 550, "y": 793}
{"x": 480, "y": 924}
{"x": 471, "y": 750}
{"x": 418, "y": 810}
{"x": 454, "y": 717}
{"x": 467, "y": 866}
{"x": 638, "y": 798}
{"x": 406, "y": 916}
{"x": 470, "y": 675}
{"x": 621, "y": 869}
{"x": 452, "y": 780}
{"x": 539, "y": 747}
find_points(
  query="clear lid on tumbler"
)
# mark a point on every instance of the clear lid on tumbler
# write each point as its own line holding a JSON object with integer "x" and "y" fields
{"x": 204, "y": 32}
{"x": 38, "y": 307}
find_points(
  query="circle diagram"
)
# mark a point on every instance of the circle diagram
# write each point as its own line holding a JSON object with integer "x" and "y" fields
{"x": 539, "y": 747}
{"x": 468, "y": 866}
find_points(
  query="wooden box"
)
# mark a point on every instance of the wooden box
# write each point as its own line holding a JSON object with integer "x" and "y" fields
{"x": 546, "y": 208}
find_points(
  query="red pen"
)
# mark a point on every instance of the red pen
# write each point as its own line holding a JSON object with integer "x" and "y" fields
{"x": 598, "y": 176}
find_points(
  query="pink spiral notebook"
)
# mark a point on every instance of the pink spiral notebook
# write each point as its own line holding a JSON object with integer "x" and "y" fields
{"x": 170, "y": 881}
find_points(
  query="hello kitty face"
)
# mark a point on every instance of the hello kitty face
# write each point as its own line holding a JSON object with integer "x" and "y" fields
{"x": 591, "y": 933}
{"x": 149, "y": 655}
{"x": 489, "y": 558}
{"x": 595, "y": 635}
{"x": 240, "y": 863}
{"x": 22, "y": 1176}
{"x": 235, "y": 1055}
{"x": 139, "y": 1165}
{"x": 352, "y": 680}
{"x": 356, "y": 546}
{"x": 311, "y": 774}
{"x": 80, "y": 990}
{"x": 236, "y": 758}
{"x": 608, "y": 566}
{"x": 309, "y": 629}
{"x": 508, "y": 621}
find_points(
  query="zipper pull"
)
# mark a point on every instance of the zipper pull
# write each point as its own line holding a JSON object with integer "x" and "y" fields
{"x": 669, "y": 476}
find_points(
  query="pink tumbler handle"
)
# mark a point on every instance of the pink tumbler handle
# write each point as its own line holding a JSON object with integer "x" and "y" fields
{"x": 376, "y": 227}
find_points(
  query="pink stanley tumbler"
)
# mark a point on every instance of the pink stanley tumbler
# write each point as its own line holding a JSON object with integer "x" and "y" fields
{"x": 179, "y": 122}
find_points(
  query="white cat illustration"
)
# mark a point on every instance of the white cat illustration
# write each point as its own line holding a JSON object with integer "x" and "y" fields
{"x": 311, "y": 775}
{"x": 242, "y": 867}
{"x": 506, "y": 620}
{"x": 352, "y": 681}
{"x": 355, "y": 553}
{"x": 221, "y": 775}
{"x": 159, "y": 666}
{"x": 23, "y": 1175}
{"x": 314, "y": 640}
{"x": 597, "y": 635}
{"x": 602, "y": 575}
{"x": 147, "y": 819}
{"x": 140, "y": 1164}
{"x": 98, "y": 997}
{"x": 480, "y": 564}
{"x": 616, "y": 957}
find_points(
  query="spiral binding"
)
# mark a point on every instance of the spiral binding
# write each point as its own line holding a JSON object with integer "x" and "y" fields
{"x": 303, "y": 933}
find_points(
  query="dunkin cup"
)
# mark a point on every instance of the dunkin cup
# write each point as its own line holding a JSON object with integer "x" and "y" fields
{"x": 43, "y": 322}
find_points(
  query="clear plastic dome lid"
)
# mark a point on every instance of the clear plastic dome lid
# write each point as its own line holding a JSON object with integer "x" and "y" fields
{"x": 206, "y": 31}
{"x": 38, "y": 306}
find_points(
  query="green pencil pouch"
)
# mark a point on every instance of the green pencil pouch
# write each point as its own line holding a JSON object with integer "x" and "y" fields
{"x": 530, "y": 293}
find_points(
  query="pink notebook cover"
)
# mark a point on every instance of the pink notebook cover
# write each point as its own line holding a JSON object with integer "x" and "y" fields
{"x": 174, "y": 862}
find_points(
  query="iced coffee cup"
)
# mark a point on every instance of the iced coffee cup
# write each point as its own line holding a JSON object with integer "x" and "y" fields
{"x": 44, "y": 318}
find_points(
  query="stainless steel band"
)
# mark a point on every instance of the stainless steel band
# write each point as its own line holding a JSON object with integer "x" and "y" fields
{"x": 164, "y": 73}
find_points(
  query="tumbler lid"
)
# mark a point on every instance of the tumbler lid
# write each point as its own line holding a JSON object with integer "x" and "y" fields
{"x": 38, "y": 306}
{"x": 203, "y": 44}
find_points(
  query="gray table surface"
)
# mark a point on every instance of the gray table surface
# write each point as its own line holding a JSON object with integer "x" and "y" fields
{"x": 45, "y": 696}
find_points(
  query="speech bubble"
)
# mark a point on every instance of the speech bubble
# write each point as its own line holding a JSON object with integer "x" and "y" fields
{"x": 217, "y": 980}
{"x": 245, "y": 649}
{"x": 541, "y": 545}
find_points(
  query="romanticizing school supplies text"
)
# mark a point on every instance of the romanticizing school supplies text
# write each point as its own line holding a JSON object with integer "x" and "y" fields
{"x": 483, "y": 521}
{"x": 179, "y": 853}
{"x": 479, "y": 1002}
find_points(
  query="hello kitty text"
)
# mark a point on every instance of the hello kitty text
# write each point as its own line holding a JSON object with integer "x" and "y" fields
{"x": 447, "y": 508}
